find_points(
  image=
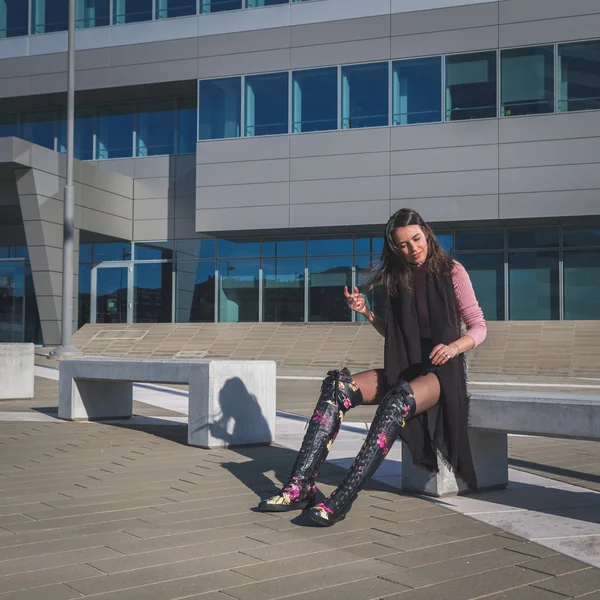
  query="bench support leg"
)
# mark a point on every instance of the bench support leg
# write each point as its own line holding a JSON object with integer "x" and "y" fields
{"x": 87, "y": 399}
{"x": 490, "y": 455}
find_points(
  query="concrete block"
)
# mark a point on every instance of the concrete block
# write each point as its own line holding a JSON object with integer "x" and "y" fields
{"x": 16, "y": 371}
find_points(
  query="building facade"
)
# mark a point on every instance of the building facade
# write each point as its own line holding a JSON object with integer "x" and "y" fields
{"x": 236, "y": 160}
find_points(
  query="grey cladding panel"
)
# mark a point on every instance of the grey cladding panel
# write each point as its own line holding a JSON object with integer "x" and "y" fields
{"x": 444, "y": 135}
{"x": 50, "y": 210}
{"x": 154, "y": 166}
{"x": 559, "y": 177}
{"x": 244, "y": 63}
{"x": 42, "y": 64}
{"x": 185, "y": 228}
{"x": 246, "y": 41}
{"x": 92, "y": 220}
{"x": 374, "y": 212}
{"x": 93, "y": 79}
{"x": 341, "y": 53}
{"x": 158, "y": 208}
{"x": 122, "y": 166}
{"x": 515, "y": 11}
{"x": 92, "y": 59}
{"x": 439, "y": 185}
{"x": 155, "y": 229}
{"x": 157, "y": 187}
{"x": 256, "y": 171}
{"x": 14, "y": 86}
{"x": 14, "y": 67}
{"x": 458, "y": 209}
{"x": 48, "y": 84}
{"x": 356, "y": 189}
{"x": 231, "y": 196}
{"x": 549, "y": 127}
{"x": 169, "y": 50}
{"x": 340, "y": 31}
{"x": 341, "y": 166}
{"x": 103, "y": 202}
{"x": 240, "y": 219}
{"x": 258, "y": 148}
{"x": 355, "y": 141}
{"x": 462, "y": 158}
{"x": 548, "y": 153}
{"x": 549, "y": 204}
{"x": 175, "y": 70}
{"x": 42, "y": 233}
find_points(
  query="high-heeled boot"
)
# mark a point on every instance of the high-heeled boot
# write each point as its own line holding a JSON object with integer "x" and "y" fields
{"x": 339, "y": 394}
{"x": 396, "y": 408}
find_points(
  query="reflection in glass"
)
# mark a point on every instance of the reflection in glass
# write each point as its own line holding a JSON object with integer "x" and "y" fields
{"x": 8, "y": 125}
{"x": 219, "y": 108}
{"x": 195, "y": 292}
{"x": 471, "y": 86}
{"x": 132, "y": 11}
{"x": 187, "y": 125}
{"x": 367, "y": 244}
{"x": 106, "y": 251}
{"x": 363, "y": 273}
{"x": 580, "y": 237}
{"x": 582, "y": 284}
{"x": 212, "y": 6}
{"x": 238, "y": 248}
{"x": 416, "y": 91}
{"x": 314, "y": 100}
{"x": 238, "y": 290}
{"x": 533, "y": 237}
{"x": 38, "y": 128}
{"x": 527, "y": 81}
{"x": 266, "y": 105}
{"x": 13, "y": 18}
{"x": 49, "y": 15}
{"x": 485, "y": 239}
{"x": 85, "y": 252}
{"x": 579, "y": 76}
{"x": 258, "y": 3}
{"x": 195, "y": 249}
{"x": 33, "y": 328}
{"x": 85, "y": 291}
{"x": 84, "y": 134}
{"x": 327, "y": 278}
{"x": 111, "y": 295}
{"x": 167, "y": 9}
{"x": 284, "y": 247}
{"x": 12, "y": 301}
{"x": 446, "y": 242}
{"x": 153, "y": 250}
{"x": 153, "y": 292}
{"x": 327, "y": 246}
{"x": 92, "y": 13}
{"x": 283, "y": 290}
{"x": 487, "y": 276}
{"x": 114, "y": 138}
{"x": 155, "y": 128}
{"x": 365, "y": 95}
{"x": 533, "y": 286}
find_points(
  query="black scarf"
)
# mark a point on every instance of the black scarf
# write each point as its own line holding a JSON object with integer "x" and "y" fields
{"x": 402, "y": 360}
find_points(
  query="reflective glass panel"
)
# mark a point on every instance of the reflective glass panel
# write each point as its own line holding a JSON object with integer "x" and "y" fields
{"x": 527, "y": 81}
{"x": 367, "y": 244}
{"x": 13, "y": 18}
{"x": 490, "y": 239}
{"x": 363, "y": 273}
{"x": 365, "y": 100}
{"x": 219, "y": 108}
{"x": 153, "y": 292}
{"x": 12, "y": 301}
{"x": 111, "y": 295}
{"x": 533, "y": 237}
{"x": 195, "y": 249}
{"x": 166, "y": 9}
{"x": 258, "y": 3}
{"x": 8, "y": 125}
{"x": 486, "y": 271}
{"x": 533, "y": 286}
{"x": 574, "y": 237}
{"x": 327, "y": 278}
{"x": 471, "y": 86}
{"x": 211, "y": 6}
{"x": 314, "y": 100}
{"x": 33, "y": 329}
{"x": 84, "y": 296}
{"x": 84, "y": 134}
{"x": 187, "y": 125}
{"x": 85, "y": 253}
{"x": 446, "y": 242}
{"x": 579, "y": 76}
{"x": 238, "y": 290}
{"x": 114, "y": 136}
{"x": 131, "y": 11}
{"x": 109, "y": 251}
{"x": 266, "y": 104}
{"x": 284, "y": 247}
{"x": 38, "y": 128}
{"x": 153, "y": 250}
{"x": 49, "y": 15}
{"x": 582, "y": 284}
{"x": 329, "y": 246}
{"x": 155, "y": 133}
{"x": 195, "y": 292}
{"x": 92, "y": 13}
{"x": 417, "y": 91}
{"x": 283, "y": 290}
{"x": 238, "y": 248}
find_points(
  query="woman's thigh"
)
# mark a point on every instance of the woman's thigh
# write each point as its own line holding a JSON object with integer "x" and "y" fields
{"x": 426, "y": 389}
{"x": 372, "y": 384}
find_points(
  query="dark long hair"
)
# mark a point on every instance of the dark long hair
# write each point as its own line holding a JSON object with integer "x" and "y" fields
{"x": 393, "y": 270}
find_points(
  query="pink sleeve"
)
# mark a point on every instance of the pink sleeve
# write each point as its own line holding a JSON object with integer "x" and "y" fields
{"x": 468, "y": 307}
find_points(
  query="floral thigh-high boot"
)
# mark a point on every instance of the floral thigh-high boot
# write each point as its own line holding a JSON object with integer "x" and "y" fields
{"x": 339, "y": 393}
{"x": 396, "y": 408}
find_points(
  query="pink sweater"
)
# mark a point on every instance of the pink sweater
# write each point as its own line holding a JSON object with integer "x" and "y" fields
{"x": 469, "y": 310}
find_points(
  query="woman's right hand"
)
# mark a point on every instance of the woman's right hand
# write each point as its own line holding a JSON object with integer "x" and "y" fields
{"x": 356, "y": 301}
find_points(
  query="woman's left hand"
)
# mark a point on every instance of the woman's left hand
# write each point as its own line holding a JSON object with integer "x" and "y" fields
{"x": 441, "y": 354}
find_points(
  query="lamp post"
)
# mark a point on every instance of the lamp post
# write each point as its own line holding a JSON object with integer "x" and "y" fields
{"x": 66, "y": 347}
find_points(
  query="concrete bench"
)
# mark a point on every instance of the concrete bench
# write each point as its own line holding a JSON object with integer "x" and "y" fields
{"x": 16, "y": 371}
{"x": 231, "y": 402}
{"x": 495, "y": 414}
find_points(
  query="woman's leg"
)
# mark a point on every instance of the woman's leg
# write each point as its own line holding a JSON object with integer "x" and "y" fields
{"x": 400, "y": 404}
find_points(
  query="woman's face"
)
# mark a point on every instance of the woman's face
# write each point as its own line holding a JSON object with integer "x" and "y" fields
{"x": 411, "y": 242}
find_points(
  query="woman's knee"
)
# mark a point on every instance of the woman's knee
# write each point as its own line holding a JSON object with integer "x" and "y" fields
{"x": 372, "y": 385}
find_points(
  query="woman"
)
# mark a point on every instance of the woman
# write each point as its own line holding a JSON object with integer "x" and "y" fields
{"x": 429, "y": 295}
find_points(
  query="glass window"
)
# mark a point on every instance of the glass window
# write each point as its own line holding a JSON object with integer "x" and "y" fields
{"x": 219, "y": 108}
{"x": 155, "y": 133}
{"x": 582, "y": 284}
{"x": 533, "y": 237}
{"x": 111, "y": 295}
{"x": 327, "y": 278}
{"x": 574, "y": 237}
{"x": 367, "y": 244}
{"x": 195, "y": 249}
{"x": 153, "y": 292}
{"x": 92, "y": 13}
{"x": 365, "y": 100}
{"x": 579, "y": 76}
{"x": 491, "y": 239}
{"x": 84, "y": 295}
{"x": 114, "y": 137}
{"x": 527, "y": 76}
{"x": 446, "y": 242}
{"x": 238, "y": 248}
{"x": 486, "y": 271}
{"x": 195, "y": 292}
{"x": 12, "y": 301}
{"x": 49, "y": 15}
{"x": 329, "y": 245}
{"x": 187, "y": 125}
{"x": 131, "y": 11}
{"x": 284, "y": 247}
{"x": 258, "y": 3}
{"x": 283, "y": 290}
{"x": 153, "y": 250}
{"x": 212, "y": 6}
{"x": 533, "y": 286}
{"x": 376, "y": 298}
{"x": 13, "y": 18}
{"x": 471, "y": 86}
{"x": 109, "y": 251}
{"x": 8, "y": 125}
{"x": 167, "y": 9}
{"x": 84, "y": 134}
{"x": 417, "y": 91}
{"x": 314, "y": 100}
{"x": 266, "y": 104}
{"x": 238, "y": 290}
{"x": 85, "y": 253}
{"x": 38, "y": 128}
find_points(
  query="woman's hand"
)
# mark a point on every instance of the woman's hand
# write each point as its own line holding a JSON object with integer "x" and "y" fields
{"x": 356, "y": 301}
{"x": 441, "y": 354}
